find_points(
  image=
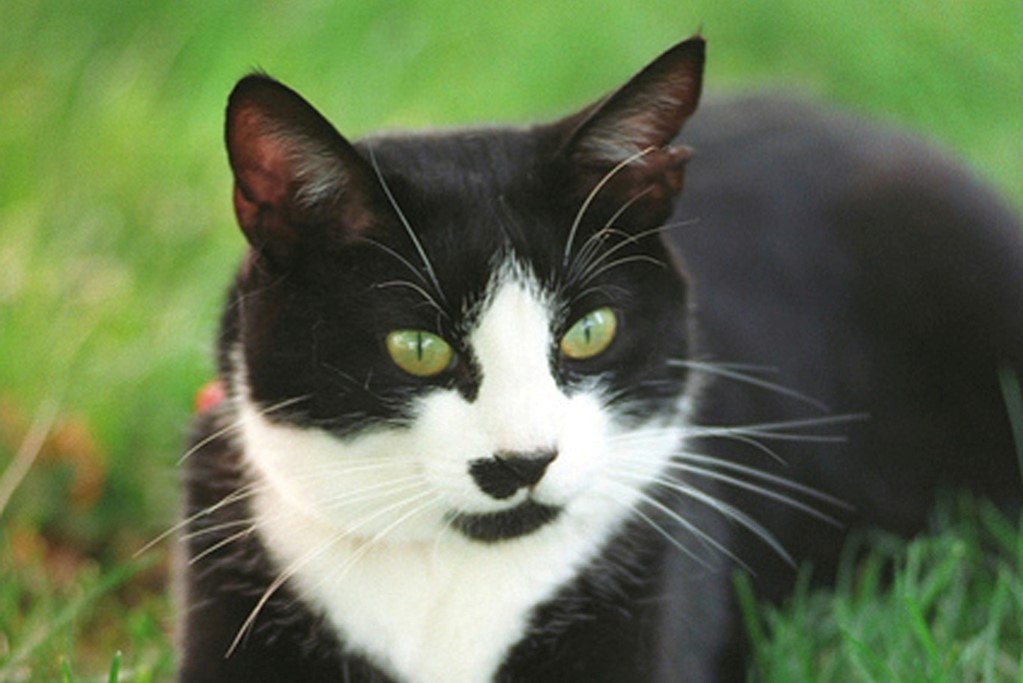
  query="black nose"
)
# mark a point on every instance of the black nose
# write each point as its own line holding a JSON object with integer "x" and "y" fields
{"x": 507, "y": 472}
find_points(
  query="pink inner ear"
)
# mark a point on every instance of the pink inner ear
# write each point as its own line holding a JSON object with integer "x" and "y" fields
{"x": 264, "y": 163}
{"x": 291, "y": 169}
{"x": 247, "y": 212}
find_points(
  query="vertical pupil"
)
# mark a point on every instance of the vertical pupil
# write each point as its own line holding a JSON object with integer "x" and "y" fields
{"x": 587, "y": 329}
{"x": 419, "y": 346}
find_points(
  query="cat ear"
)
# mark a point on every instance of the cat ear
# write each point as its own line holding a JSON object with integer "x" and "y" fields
{"x": 624, "y": 142}
{"x": 295, "y": 176}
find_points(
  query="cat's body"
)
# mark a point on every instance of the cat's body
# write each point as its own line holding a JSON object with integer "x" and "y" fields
{"x": 564, "y": 494}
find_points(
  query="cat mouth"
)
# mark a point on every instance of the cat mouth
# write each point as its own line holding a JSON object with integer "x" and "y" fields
{"x": 493, "y": 527}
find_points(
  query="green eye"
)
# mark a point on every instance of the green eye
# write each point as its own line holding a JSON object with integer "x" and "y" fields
{"x": 590, "y": 335}
{"x": 418, "y": 352}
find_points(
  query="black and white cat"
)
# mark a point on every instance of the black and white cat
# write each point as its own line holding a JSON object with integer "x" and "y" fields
{"x": 498, "y": 410}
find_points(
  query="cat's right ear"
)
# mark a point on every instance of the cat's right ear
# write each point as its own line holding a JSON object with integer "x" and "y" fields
{"x": 296, "y": 179}
{"x": 625, "y": 146}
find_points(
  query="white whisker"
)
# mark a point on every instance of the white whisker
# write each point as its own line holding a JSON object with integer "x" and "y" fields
{"x": 366, "y": 547}
{"x": 732, "y": 434}
{"x": 733, "y": 374}
{"x": 427, "y": 265}
{"x": 344, "y": 469}
{"x": 725, "y": 509}
{"x": 419, "y": 290}
{"x": 592, "y": 195}
{"x": 592, "y": 244}
{"x": 674, "y": 516}
{"x": 236, "y": 426}
{"x": 445, "y": 530}
{"x": 754, "y": 488}
{"x": 763, "y": 476}
{"x": 635, "y": 258}
{"x": 215, "y": 528}
{"x": 235, "y": 496}
{"x": 313, "y": 554}
{"x": 222, "y": 543}
{"x": 590, "y": 271}
{"x": 374, "y": 492}
{"x": 773, "y": 430}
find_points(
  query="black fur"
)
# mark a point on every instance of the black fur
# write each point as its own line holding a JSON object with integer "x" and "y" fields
{"x": 868, "y": 272}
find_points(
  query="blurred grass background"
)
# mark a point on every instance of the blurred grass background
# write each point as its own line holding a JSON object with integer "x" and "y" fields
{"x": 116, "y": 236}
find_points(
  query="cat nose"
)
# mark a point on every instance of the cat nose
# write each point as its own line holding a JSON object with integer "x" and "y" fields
{"x": 508, "y": 471}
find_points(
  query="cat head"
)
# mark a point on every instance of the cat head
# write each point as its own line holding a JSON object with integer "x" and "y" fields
{"x": 463, "y": 329}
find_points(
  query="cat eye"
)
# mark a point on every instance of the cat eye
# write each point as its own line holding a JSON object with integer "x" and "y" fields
{"x": 419, "y": 352}
{"x": 590, "y": 335}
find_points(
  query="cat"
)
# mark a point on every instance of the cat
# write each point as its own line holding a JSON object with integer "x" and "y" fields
{"x": 499, "y": 406}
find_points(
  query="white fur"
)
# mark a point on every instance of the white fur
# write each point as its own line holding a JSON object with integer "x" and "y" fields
{"x": 359, "y": 524}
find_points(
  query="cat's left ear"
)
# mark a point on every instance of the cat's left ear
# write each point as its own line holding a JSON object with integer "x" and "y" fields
{"x": 626, "y": 142}
{"x": 298, "y": 182}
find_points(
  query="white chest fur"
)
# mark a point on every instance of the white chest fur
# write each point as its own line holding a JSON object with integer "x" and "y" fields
{"x": 440, "y": 612}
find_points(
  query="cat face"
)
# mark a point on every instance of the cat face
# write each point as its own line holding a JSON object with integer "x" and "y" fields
{"x": 464, "y": 332}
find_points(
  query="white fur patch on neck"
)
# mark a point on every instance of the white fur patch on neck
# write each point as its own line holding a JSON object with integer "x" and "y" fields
{"x": 361, "y": 526}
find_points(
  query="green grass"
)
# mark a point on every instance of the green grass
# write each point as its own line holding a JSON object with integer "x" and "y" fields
{"x": 116, "y": 237}
{"x": 61, "y": 614}
{"x": 945, "y": 608}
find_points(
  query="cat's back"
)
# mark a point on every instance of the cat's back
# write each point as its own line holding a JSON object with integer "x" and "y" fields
{"x": 792, "y": 202}
{"x": 784, "y": 173}
{"x": 858, "y": 266}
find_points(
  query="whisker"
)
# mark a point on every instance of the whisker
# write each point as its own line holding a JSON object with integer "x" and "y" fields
{"x": 674, "y": 516}
{"x": 374, "y": 492}
{"x": 446, "y": 529}
{"x": 609, "y": 290}
{"x": 301, "y": 562}
{"x": 215, "y": 528}
{"x": 588, "y": 271}
{"x": 354, "y": 385}
{"x": 379, "y": 536}
{"x": 593, "y": 242}
{"x": 340, "y": 470}
{"x": 755, "y": 488}
{"x": 725, "y": 509}
{"x": 592, "y": 195}
{"x": 205, "y": 441}
{"x": 772, "y": 430}
{"x": 733, "y": 374}
{"x": 419, "y": 290}
{"x": 774, "y": 436}
{"x": 588, "y": 251}
{"x": 348, "y": 377}
{"x": 654, "y": 435}
{"x": 394, "y": 253}
{"x": 235, "y": 496}
{"x": 427, "y": 265}
{"x": 224, "y": 542}
{"x": 635, "y": 258}
{"x": 763, "y": 476}
{"x": 236, "y": 426}
{"x": 368, "y": 493}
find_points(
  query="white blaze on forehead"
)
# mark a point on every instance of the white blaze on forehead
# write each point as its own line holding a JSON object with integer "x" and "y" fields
{"x": 518, "y": 400}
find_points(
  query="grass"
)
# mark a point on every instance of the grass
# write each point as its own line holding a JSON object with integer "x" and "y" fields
{"x": 116, "y": 235}
{"x": 60, "y": 613}
{"x": 944, "y": 608}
